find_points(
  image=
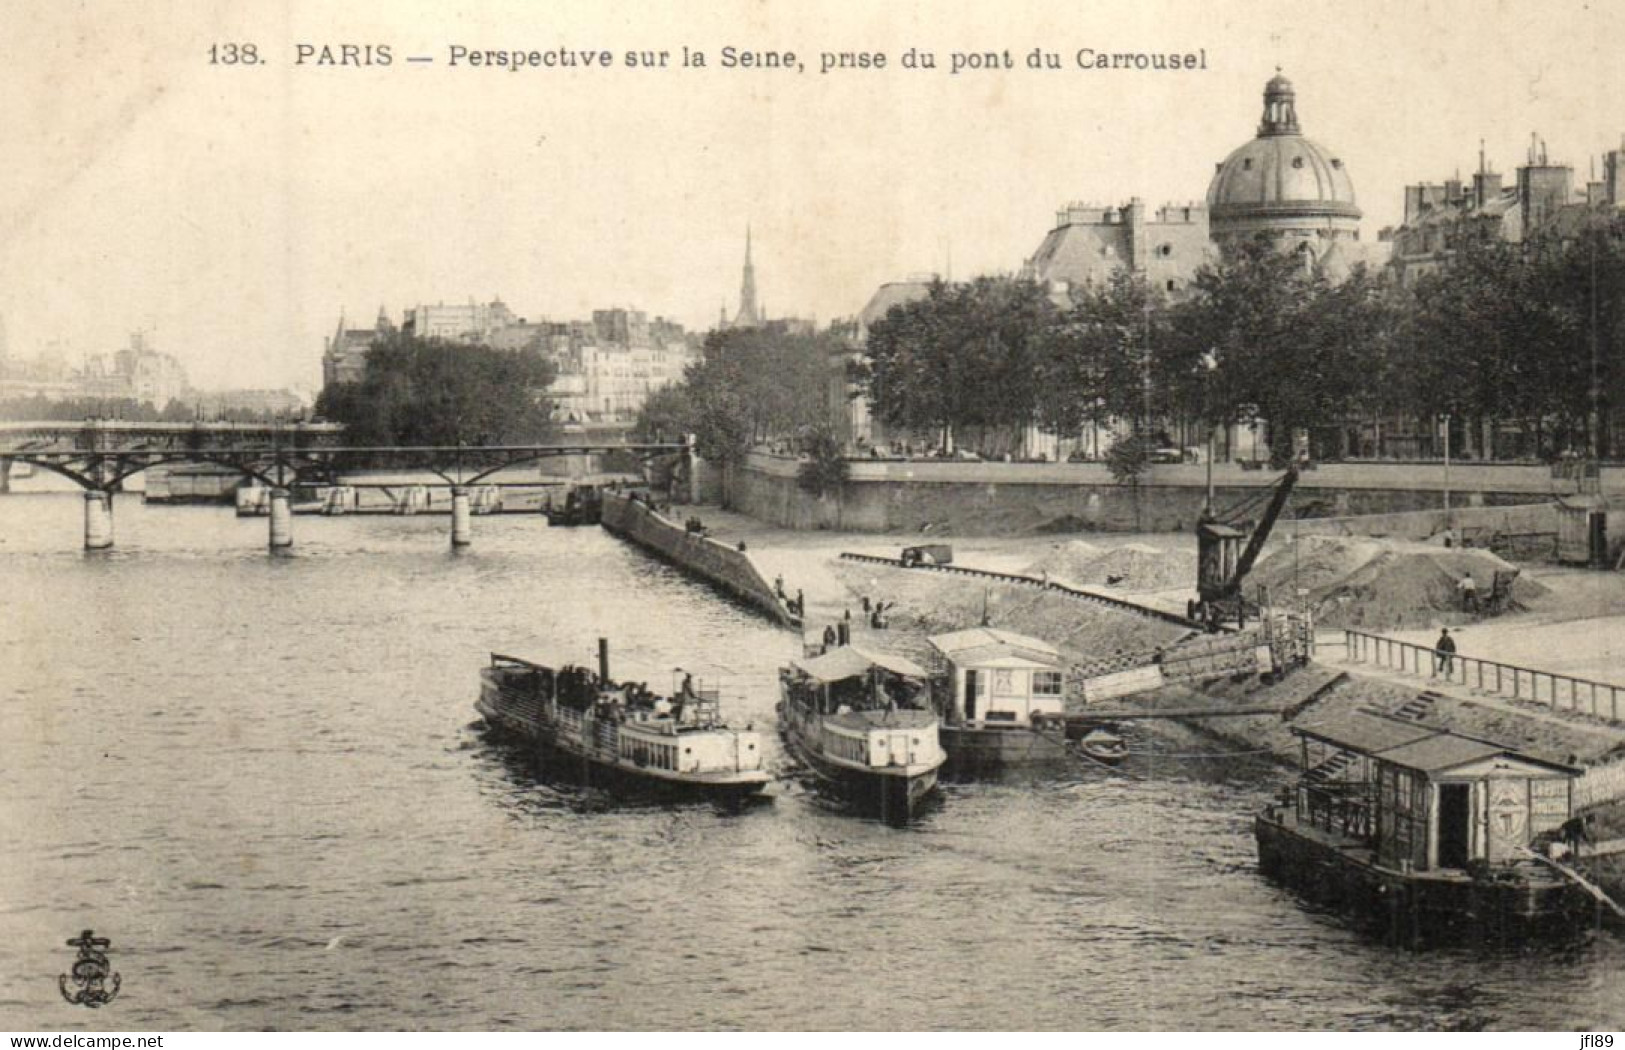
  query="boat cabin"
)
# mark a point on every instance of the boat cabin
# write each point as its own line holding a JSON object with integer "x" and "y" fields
{"x": 863, "y": 710}
{"x": 854, "y": 679}
{"x": 1423, "y": 798}
{"x": 997, "y": 676}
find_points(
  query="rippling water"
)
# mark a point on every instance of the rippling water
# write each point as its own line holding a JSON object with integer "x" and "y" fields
{"x": 265, "y": 781}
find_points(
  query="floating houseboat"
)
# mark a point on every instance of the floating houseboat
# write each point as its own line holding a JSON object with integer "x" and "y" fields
{"x": 623, "y": 732}
{"x": 1426, "y": 831}
{"x": 997, "y": 690}
{"x": 862, "y": 722}
{"x": 1002, "y": 703}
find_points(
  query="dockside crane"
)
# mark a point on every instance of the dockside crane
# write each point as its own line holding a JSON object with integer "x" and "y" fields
{"x": 1222, "y": 560}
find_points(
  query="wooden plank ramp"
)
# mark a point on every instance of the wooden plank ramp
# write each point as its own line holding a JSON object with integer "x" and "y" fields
{"x": 1579, "y": 880}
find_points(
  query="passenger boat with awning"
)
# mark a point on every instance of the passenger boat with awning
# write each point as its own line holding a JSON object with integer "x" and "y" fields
{"x": 862, "y": 722}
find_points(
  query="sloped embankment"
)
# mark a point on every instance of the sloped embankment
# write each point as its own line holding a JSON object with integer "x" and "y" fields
{"x": 1382, "y": 584}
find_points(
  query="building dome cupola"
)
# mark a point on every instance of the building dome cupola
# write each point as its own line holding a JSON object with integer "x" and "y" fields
{"x": 1280, "y": 107}
{"x": 1281, "y": 182}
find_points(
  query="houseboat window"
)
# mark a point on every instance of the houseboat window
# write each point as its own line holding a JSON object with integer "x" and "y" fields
{"x": 1001, "y": 716}
{"x": 1046, "y": 683}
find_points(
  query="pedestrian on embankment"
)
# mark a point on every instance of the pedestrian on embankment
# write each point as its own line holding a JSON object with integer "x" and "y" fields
{"x": 1444, "y": 651}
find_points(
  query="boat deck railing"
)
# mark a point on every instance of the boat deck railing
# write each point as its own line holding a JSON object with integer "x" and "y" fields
{"x": 1560, "y": 692}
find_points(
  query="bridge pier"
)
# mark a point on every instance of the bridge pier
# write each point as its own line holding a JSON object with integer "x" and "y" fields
{"x": 98, "y": 520}
{"x": 462, "y": 527}
{"x": 281, "y": 520}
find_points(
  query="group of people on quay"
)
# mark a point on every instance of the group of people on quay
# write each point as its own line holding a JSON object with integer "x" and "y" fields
{"x": 796, "y": 605}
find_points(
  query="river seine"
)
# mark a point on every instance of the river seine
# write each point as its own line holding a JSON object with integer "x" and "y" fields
{"x": 264, "y": 779}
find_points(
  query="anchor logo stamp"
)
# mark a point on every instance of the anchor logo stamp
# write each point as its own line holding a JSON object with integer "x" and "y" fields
{"x": 91, "y": 973}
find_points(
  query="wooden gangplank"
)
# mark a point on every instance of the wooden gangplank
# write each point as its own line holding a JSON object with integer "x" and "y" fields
{"x": 1169, "y": 712}
{"x": 1579, "y": 880}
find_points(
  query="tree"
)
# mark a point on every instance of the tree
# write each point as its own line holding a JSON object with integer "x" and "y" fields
{"x": 1128, "y": 459}
{"x": 1097, "y": 357}
{"x": 433, "y": 392}
{"x": 825, "y": 468}
{"x": 750, "y": 385}
{"x": 1288, "y": 345}
{"x": 966, "y": 358}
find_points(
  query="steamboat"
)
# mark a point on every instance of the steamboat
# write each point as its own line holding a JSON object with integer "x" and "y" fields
{"x": 621, "y": 732}
{"x": 862, "y": 723}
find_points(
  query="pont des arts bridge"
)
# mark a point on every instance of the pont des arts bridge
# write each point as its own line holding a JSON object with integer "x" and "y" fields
{"x": 101, "y": 455}
{"x": 992, "y": 498}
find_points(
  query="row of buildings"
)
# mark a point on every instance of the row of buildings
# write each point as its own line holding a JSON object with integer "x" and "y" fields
{"x": 1300, "y": 194}
{"x": 607, "y": 366}
{"x": 1280, "y": 184}
{"x": 138, "y": 373}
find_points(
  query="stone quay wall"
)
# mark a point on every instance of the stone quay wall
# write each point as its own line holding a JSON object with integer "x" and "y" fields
{"x": 724, "y": 567}
{"x": 972, "y": 498}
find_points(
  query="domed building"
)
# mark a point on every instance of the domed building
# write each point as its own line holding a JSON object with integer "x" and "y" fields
{"x": 1286, "y": 186}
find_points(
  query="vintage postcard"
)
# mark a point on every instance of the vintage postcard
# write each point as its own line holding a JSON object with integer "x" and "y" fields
{"x": 812, "y": 516}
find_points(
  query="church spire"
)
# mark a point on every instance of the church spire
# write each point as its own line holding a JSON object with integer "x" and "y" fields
{"x": 749, "y": 313}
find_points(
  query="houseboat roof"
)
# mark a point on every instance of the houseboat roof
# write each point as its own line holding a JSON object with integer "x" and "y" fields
{"x": 981, "y": 645}
{"x": 1426, "y": 749}
{"x": 849, "y": 661}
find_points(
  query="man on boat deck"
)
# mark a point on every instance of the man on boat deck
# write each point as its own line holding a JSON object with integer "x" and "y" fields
{"x": 1445, "y": 651}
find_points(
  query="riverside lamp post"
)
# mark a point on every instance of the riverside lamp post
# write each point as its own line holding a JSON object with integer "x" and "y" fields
{"x": 1210, "y": 365}
{"x": 1446, "y": 420}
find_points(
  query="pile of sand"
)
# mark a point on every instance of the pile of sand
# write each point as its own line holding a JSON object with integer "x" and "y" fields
{"x": 935, "y": 603}
{"x": 1130, "y": 568}
{"x": 1066, "y": 561}
{"x": 1381, "y": 583}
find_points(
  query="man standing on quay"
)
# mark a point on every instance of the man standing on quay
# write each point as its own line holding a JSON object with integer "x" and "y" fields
{"x": 1445, "y": 651}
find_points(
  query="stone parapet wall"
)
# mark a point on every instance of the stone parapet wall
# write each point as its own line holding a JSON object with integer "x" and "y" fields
{"x": 724, "y": 567}
{"x": 969, "y": 498}
{"x": 1523, "y": 520}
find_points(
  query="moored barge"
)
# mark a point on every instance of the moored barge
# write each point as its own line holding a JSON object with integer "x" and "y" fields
{"x": 994, "y": 696}
{"x": 862, "y": 723}
{"x": 1424, "y": 832}
{"x": 622, "y": 732}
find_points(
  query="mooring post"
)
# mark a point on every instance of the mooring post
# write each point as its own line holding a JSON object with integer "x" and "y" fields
{"x": 5, "y": 475}
{"x": 281, "y": 519}
{"x": 462, "y": 528}
{"x": 98, "y": 520}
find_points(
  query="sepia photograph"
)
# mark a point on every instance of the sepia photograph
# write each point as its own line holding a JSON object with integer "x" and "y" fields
{"x": 821, "y": 516}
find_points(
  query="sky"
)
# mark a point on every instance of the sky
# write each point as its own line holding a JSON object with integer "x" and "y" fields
{"x": 234, "y": 212}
